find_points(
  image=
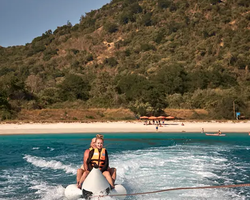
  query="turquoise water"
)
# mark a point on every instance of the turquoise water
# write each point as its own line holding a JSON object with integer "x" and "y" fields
{"x": 41, "y": 166}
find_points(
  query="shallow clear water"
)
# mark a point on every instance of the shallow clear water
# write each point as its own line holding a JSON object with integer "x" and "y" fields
{"x": 41, "y": 166}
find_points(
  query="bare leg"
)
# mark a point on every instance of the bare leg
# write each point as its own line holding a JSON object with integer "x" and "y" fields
{"x": 85, "y": 174}
{"x": 79, "y": 175}
{"x": 109, "y": 179}
{"x": 112, "y": 172}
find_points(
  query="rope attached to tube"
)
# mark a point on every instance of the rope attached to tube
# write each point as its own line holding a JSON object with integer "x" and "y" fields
{"x": 181, "y": 188}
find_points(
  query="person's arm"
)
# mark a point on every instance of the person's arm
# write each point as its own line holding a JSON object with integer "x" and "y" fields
{"x": 85, "y": 158}
{"x": 106, "y": 163}
{"x": 89, "y": 166}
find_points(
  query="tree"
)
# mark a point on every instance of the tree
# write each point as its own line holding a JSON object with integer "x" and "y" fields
{"x": 125, "y": 17}
{"x": 146, "y": 20}
{"x": 74, "y": 87}
{"x": 135, "y": 8}
{"x": 103, "y": 93}
{"x": 172, "y": 78}
{"x": 155, "y": 96}
{"x": 223, "y": 108}
{"x": 138, "y": 89}
{"x": 110, "y": 27}
{"x": 14, "y": 88}
{"x": 164, "y": 3}
{"x": 34, "y": 83}
{"x": 140, "y": 108}
{"x": 175, "y": 100}
{"x": 198, "y": 80}
{"x": 244, "y": 3}
{"x": 69, "y": 24}
{"x": 133, "y": 86}
{"x": 49, "y": 96}
{"x": 5, "y": 107}
{"x": 111, "y": 61}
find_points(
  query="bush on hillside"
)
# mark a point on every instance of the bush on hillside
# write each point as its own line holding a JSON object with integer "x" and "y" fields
{"x": 112, "y": 62}
{"x": 110, "y": 27}
{"x": 164, "y": 3}
{"x": 49, "y": 53}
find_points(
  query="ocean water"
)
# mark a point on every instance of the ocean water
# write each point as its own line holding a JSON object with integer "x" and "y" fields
{"x": 41, "y": 166}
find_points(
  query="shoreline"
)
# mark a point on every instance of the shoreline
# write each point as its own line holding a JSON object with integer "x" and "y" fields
{"x": 123, "y": 127}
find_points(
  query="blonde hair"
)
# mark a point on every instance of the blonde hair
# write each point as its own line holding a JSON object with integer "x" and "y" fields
{"x": 100, "y": 136}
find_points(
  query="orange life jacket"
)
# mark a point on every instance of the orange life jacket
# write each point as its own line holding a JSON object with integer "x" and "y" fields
{"x": 98, "y": 158}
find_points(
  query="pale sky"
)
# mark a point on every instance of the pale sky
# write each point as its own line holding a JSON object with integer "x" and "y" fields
{"x": 23, "y": 20}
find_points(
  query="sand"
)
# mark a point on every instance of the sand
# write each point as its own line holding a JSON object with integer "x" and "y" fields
{"x": 117, "y": 127}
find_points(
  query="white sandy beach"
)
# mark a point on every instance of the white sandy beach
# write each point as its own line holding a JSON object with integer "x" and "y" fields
{"x": 116, "y": 127}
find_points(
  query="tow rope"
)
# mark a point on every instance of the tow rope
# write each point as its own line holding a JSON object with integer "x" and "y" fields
{"x": 181, "y": 188}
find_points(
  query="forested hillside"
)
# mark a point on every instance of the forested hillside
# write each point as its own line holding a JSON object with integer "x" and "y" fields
{"x": 145, "y": 55}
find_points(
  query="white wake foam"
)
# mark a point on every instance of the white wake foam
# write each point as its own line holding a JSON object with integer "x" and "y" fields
{"x": 171, "y": 167}
{"x": 47, "y": 192}
{"x": 53, "y": 164}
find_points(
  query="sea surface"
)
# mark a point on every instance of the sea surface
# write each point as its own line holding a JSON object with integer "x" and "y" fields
{"x": 41, "y": 166}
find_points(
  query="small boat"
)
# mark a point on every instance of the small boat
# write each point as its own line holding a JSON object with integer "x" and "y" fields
{"x": 215, "y": 134}
{"x": 95, "y": 185}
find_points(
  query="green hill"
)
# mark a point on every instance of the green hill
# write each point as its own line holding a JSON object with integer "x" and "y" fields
{"x": 145, "y": 55}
